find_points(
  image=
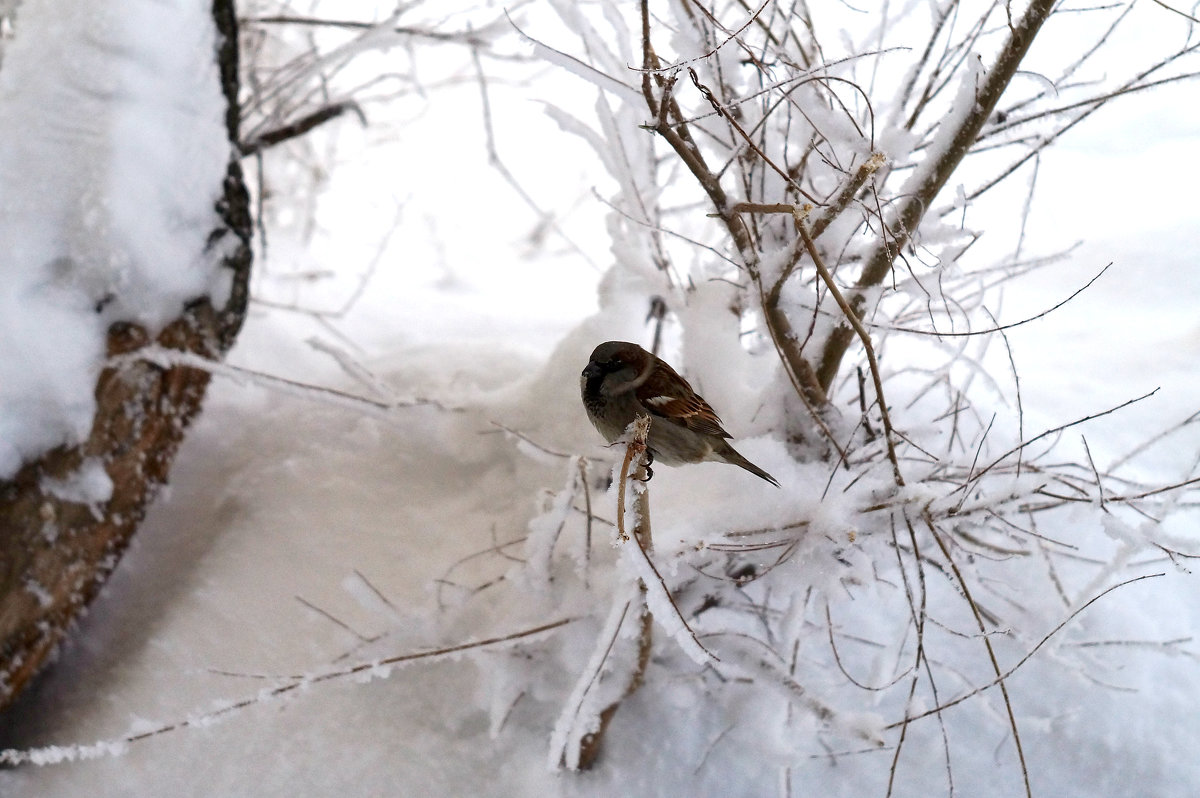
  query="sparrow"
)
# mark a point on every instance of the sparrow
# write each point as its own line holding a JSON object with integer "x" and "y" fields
{"x": 623, "y": 381}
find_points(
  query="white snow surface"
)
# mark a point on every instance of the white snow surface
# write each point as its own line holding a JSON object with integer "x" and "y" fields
{"x": 304, "y": 536}
{"x": 109, "y": 169}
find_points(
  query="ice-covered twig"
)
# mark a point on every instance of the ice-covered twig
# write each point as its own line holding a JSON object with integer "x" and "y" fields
{"x": 171, "y": 358}
{"x": 634, "y": 461}
{"x": 762, "y": 670}
{"x": 352, "y": 367}
{"x": 381, "y": 667}
{"x": 658, "y": 597}
{"x": 852, "y": 317}
{"x": 579, "y": 731}
{"x": 663, "y": 607}
{"x": 987, "y": 643}
{"x": 999, "y": 680}
{"x": 978, "y": 97}
{"x": 473, "y": 37}
{"x": 525, "y": 443}
{"x": 977, "y": 476}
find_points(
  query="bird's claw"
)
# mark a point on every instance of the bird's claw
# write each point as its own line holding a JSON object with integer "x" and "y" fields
{"x": 646, "y": 465}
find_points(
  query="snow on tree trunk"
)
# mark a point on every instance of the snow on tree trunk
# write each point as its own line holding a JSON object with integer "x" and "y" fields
{"x": 124, "y": 223}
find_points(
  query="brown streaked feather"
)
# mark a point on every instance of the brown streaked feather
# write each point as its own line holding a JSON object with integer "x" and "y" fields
{"x": 667, "y": 395}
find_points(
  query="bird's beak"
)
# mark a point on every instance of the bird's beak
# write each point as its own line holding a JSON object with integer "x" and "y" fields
{"x": 592, "y": 370}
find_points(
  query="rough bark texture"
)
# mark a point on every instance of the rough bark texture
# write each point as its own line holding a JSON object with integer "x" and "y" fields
{"x": 55, "y": 554}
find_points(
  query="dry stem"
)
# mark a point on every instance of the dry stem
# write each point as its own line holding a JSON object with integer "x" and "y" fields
{"x": 635, "y": 460}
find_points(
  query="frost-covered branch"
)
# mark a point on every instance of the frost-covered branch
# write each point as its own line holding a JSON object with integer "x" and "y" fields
{"x": 379, "y": 668}
{"x": 977, "y": 99}
{"x": 579, "y": 734}
{"x": 169, "y": 358}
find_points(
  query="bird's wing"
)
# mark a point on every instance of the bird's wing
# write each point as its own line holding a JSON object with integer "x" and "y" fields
{"x": 681, "y": 405}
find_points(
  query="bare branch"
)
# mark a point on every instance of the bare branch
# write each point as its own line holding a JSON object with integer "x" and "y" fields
{"x": 934, "y": 178}
{"x": 299, "y": 127}
{"x": 111, "y": 748}
{"x": 852, "y": 317}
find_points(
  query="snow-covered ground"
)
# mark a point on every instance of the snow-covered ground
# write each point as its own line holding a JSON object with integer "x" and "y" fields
{"x": 296, "y": 531}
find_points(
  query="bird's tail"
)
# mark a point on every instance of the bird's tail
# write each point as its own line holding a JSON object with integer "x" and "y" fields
{"x": 733, "y": 457}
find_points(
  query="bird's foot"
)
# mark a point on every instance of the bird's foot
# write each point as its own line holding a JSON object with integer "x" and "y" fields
{"x": 646, "y": 466}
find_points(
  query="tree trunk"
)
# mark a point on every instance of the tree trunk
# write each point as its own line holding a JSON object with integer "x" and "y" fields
{"x": 56, "y": 553}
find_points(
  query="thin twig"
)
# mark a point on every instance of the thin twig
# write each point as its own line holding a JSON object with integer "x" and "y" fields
{"x": 335, "y": 620}
{"x": 913, "y": 207}
{"x": 173, "y": 358}
{"x": 991, "y": 651}
{"x": 1175, "y": 11}
{"x": 999, "y": 680}
{"x": 1054, "y": 431}
{"x": 1099, "y": 484}
{"x": 299, "y": 127}
{"x": 57, "y": 753}
{"x": 852, "y": 317}
{"x": 473, "y": 37}
{"x": 590, "y": 744}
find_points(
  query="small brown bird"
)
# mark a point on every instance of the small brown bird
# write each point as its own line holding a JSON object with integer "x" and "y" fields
{"x": 623, "y": 381}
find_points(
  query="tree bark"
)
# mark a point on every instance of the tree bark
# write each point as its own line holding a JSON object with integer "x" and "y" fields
{"x": 54, "y": 553}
